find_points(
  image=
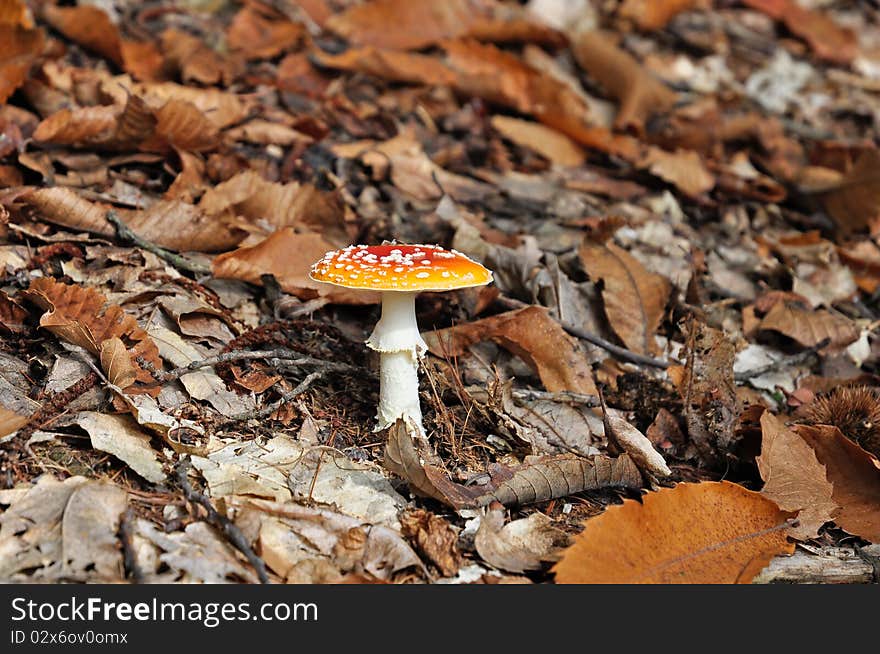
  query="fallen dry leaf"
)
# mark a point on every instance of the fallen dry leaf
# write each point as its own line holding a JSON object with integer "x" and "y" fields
{"x": 828, "y": 40}
{"x": 634, "y": 298}
{"x": 20, "y": 45}
{"x": 433, "y": 537}
{"x": 119, "y": 435}
{"x": 547, "y": 142}
{"x": 419, "y": 23}
{"x": 639, "y": 93}
{"x": 89, "y": 26}
{"x": 683, "y": 168}
{"x": 258, "y": 35}
{"x": 272, "y": 256}
{"x": 809, "y": 327}
{"x": 855, "y": 476}
{"x": 116, "y": 362}
{"x": 793, "y": 477}
{"x": 82, "y": 316}
{"x": 636, "y": 445}
{"x": 704, "y": 533}
{"x": 532, "y": 335}
{"x": 538, "y": 479}
{"x": 170, "y": 224}
{"x": 521, "y": 545}
{"x": 851, "y": 199}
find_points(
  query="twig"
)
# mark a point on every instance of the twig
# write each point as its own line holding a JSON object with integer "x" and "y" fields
{"x": 302, "y": 387}
{"x": 784, "y": 362}
{"x": 559, "y": 396}
{"x": 125, "y": 233}
{"x": 224, "y": 524}
{"x": 128, "y": 557}
{"x": 279, "y": 355}
{"x": 618, "y": 351}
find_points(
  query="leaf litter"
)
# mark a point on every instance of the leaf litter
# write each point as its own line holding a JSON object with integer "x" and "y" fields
{"x": 678, "y": 204}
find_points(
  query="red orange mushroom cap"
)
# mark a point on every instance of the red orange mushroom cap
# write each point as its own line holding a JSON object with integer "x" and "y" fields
{"x": 399, "y": 267}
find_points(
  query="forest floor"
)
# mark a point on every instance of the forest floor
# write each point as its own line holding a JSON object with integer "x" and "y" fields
{"x": 672, "y": 378}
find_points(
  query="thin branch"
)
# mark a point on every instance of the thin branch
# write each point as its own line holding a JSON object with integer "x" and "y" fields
{"x": 277, "y": 356}
{"x": 784, "y": 362}
{"x": 233, "y": 534}
{"x": 568, "y": 397}
{"x": 302, "y": 387}
{"x": 125, "y": 233}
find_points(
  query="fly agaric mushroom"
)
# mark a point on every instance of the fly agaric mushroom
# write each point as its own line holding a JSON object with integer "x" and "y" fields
{"x": 399, "y": 272}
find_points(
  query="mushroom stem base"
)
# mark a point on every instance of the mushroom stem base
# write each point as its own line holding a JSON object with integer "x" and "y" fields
{"x": 399, "y": 389}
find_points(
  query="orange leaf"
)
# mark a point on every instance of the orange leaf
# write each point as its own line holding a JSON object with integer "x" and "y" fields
{"x": 419, "y": 23}
{"x": 809, "y": 327}
{"x": 19, "y": 47}
{"x": 855, "y": 476}
{"x": 258, "y": 36}
{"x": 706, "y": 533}
{"x": 273, "y": 256}
{"x": 634, "y": 297}
{"x": 89, "y": 26}
{"x": 652, "y": 15}
{"x": 546, "y": 141}
{"x": 532, "y": 335}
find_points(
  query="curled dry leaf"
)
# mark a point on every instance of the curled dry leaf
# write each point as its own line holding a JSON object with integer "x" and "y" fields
{"x": 793, "y": 477}
{"x": 538, "y": 479}
{"x": 705, "y": 533}
{"x": 546, "y": 141}
{"x": 521, "y": 545}
{"x": 82, "y": 316}
{"x": 419, "y": 23}
{"x": 855, "y": 476}
{"x": 634, "y": 298}
{"x": 272, "y": 256}
{"x": 640, "y": 94}
{"x": 168, "y": 223}
{"x": 637, "y": 445}
{"x": 809, "y": 327}
{"x": 116, "y": 362}
{"x": 193, "y": 58}
{"x": 532, "y": 335}
{"x": 434, "y": 538}
{"x": 828, "y": 40}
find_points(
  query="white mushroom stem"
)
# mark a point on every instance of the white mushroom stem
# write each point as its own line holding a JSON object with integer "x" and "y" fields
{"x": 396, "y": 337}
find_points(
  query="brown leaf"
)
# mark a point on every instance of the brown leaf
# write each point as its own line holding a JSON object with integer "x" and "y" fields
{"x": 652, "y": 15}
{"x": 419, "y": 23}
{"x": 547, "y": 142}
{"x": 707, "y": 387}
{"x": 855, "y": 476}
{"x": 634, "y": 298}
{"x": 433, "y": 537}
{"x": 538, "y": 479}
{"x": 793, "y": 477}
{"x": 116, "y": 363}
{"x": 89, "y": 26}
{"x": 83, "y": 317}
{"x": 683, "y": 168}
{"x": 12, "y": 315}
{"x": 809, "y": 327}
{"x": 497, "y": 76}
{"x": 639, "y": 93}
{"x": 19, "y": 48}
{"x": 15, "y": 12}
{"x": 532, "y": 335}
{"x": 273, "y": 256}
{"x": 82, "y": 125}
{"x": 11, "y": 421}
{"x": 195, "y": 60}
{"x": 519, "y": 546}
{"x": 637, "y": 445}
{"x": 706, "y": 533}
{"x": 852, "y": 199}
{"x": 828, "y": 40}
{"x": 169, "y": 224}
{"x": 262, "y": 36}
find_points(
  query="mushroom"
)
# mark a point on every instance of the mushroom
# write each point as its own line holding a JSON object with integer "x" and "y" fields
{"x": 399, "y": 272}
